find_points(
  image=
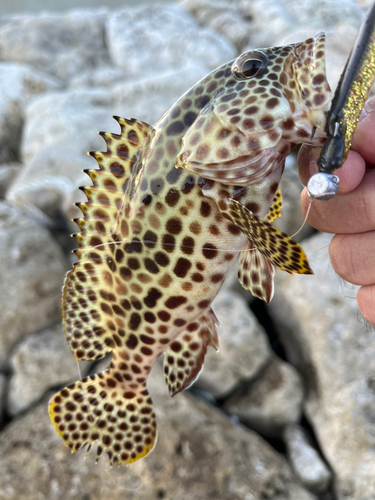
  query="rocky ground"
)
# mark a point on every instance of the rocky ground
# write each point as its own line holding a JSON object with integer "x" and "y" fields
{"x": 286, "y": 408}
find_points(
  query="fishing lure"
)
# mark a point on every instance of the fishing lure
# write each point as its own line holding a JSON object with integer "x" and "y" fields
{"x": 350, "y": 97}
{"x": 170, "y": 207}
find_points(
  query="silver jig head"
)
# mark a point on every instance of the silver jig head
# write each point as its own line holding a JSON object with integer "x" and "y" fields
{"x": 323, "y": 186}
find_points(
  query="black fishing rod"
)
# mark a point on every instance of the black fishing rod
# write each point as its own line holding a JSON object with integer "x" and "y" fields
{"x": 350, "y": 97}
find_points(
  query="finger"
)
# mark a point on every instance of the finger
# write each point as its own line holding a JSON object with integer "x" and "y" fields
{"x": 366, "y": 302}
{"x": 363, "y": 140}
{"x": 353, "y": 257}
{"x": 350, "y": 174}
{"x": 353, "y": 212}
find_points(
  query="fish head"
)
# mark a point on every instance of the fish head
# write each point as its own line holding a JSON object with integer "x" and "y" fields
{"x": 269, "y": 100}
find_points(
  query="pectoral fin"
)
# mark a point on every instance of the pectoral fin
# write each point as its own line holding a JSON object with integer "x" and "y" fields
{"x": 275, "y": 209}
{"x": 278, "y": 247}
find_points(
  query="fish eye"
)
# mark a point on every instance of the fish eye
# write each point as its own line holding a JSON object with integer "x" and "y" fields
{"x": 249, "y": 65}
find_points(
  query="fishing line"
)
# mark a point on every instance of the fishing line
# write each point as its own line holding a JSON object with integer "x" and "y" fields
{"x": 305, "y": 219}
{"x": 79, "y": 371}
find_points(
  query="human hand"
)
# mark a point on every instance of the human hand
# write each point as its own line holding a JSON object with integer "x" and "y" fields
{"x": 351, "y": 214}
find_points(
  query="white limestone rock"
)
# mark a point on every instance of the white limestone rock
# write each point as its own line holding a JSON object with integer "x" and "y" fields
{"x": 60, "y": 44}
{"x": 51, "y": 180}
{"x": 243, "y": 347}
{"x": 3, "y": 383}
{"x": 32, "y": 270}
{"x": 18, "y": 84}
{"x": 317, "y": 321}
{"x": 200, "y": 454}
{"x": 69, "y": 119}
{"x": 39, "y": 362}
{"x": 145, "y": 41}
{"x": 305, "y": 460}
{"x": 272, "y": 402}
{"x": 8, "y": 174}
{"x": 227, "y": 18}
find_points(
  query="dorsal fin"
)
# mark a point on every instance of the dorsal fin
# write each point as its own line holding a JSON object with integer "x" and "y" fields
{"x": 85, "y": 326}
{"x": 105, "y": 196}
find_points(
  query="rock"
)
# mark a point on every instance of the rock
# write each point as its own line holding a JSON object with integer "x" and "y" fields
{"x": 269, "y": 25}
{"x": 288, "y": 21}
{"x": 200, "y": 454}
{"x": 60, "y": 44}
{"x": 316, "y": 13}
{"x": 68, "y": 119}
{"x": 226, "y": 18}
{"x": 50, "y": 181}
{"x": 149, "y": 98}
{"x": 8, "y": 174}
{"x": 317, "y": 321}
{"x": 32, "y": 270}
{"x": 145, "y": 41}
{"x": 102, "y": 77}
{"x": 243, "y": 347}
{"x": 305, "y": 460}
{"x": 18, "y": 84}
{"x": 3, "y": 382}
{"x": 271, "y": 402}
{"x": 291, "y": 213}
{"x": 41, "y": 361}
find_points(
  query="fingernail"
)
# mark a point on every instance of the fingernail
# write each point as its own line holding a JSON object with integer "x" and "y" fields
{"x": 368, "y": 108}
{"x": 363, "y": 115}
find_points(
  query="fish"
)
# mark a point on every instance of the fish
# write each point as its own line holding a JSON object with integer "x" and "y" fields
{"x": 170, "y": 207}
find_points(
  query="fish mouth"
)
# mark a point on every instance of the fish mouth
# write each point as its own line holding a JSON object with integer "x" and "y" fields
{"x": 309, "y": 73}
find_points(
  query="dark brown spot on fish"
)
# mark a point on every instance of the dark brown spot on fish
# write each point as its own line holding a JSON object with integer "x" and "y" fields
{"x": 253, "y": 143}
{"x": 202, "y": 101}
{"x": 164, "y": 316}
{"x": 162, "y": 259}
{"x": 189, "y": 118}
{"x": 187, "y": 245}
{"x": 205, "y": 209}
{"x": 172, "y": 197}
{"x": 152, "y": 297}
{"x": 175, "y": 128}
{"x": 134, "y": 321}
{"x": 182, "y": 267}
{"x": 123, "y": 151}
{"x": 251, "y": 110}
{"x": 266, "y": 122}
{"x": 195, "y": 228}
{"x": 175, "y": 301}
{"x": 168, "y": 243}
{"x": 197, "y": 277}
{"x": 188, "y": 184}
{"x": 248, "y": 124}
{"x": 174, "y": 226}
{"x": 209, "y": 251}
{"x": 204, "y": 303}
{"x": 318, "y": 99}
{"x": 272, "y": 103}
{"x": 174, "y": 174}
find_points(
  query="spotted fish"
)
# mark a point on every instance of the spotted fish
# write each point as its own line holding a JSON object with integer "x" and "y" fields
{"x": 169, "y": 209}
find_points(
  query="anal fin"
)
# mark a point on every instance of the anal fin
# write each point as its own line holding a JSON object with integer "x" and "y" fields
{"x": 183, "y": 360}
{"x": 256, "y": 273}
{"x": 278, "y": 247}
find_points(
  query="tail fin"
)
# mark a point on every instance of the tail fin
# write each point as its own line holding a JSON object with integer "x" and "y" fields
{"x": 100, "y": 409}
